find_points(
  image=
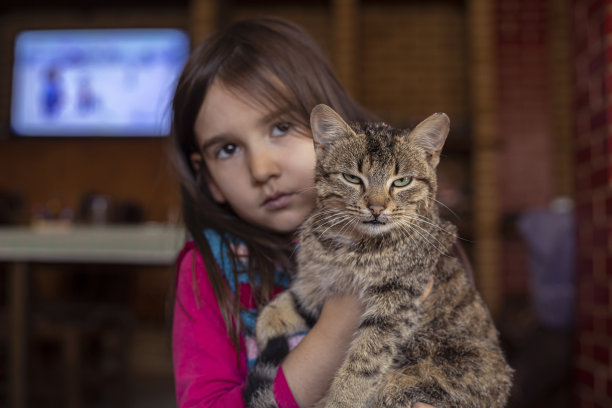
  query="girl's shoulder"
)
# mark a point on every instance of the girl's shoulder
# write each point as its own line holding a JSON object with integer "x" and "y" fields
{"x": 194, "y": 293}
{"x": 231, "y": 258}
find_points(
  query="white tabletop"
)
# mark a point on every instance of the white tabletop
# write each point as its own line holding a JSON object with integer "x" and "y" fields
{"x": 147, "y": 244}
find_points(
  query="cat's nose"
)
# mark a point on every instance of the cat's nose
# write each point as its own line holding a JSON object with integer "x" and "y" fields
{"x": 376, "y": 209}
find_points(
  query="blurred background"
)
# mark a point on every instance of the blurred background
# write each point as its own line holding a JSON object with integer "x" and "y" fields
{"x": 90, "y": 220}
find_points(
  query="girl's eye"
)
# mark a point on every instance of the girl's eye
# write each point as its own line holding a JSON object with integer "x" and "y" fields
{"x": 226, "y": 151}
{"x": 351, "y": 179}
{"x": 403, "y": 182}
{"x": 280, "y": 129}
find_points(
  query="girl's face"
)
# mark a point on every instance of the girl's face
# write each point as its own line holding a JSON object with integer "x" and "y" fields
{"x": 259, "y": 164}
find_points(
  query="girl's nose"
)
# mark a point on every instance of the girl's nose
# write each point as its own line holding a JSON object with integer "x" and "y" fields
{"x": 264, "y": 165}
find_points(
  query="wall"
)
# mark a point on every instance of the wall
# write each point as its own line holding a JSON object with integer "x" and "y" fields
{"x": 65, "y": 169}
{"x": 593, "y": 151}
{"x": 525, "y": 125}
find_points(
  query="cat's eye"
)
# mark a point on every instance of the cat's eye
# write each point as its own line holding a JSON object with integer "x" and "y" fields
{"x": 403, "y": 182}
{"x": 351, "y": 179}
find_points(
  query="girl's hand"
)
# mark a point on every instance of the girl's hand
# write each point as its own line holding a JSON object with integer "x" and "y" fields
{"x": 422, "y": 405}
{"x": 342, "y": 308}
{"x": 310, "y": 367}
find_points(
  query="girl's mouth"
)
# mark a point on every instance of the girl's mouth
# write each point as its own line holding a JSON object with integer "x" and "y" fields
{"x": 277, "y": 201}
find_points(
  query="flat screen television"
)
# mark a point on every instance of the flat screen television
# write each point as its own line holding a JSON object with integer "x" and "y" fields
{"x": 95, "y": 82}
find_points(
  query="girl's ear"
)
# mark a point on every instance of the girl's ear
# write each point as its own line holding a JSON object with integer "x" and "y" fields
{"x": 198, "y": 162}
{"x": 327, "y": 127}
{"x": 431, "y": 134}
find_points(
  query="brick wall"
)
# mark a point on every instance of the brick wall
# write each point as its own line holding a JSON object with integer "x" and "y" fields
{"x": 593, "y": 150}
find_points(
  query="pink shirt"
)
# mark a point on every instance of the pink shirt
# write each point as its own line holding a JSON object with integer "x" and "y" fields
{"x": 206, "y": 369}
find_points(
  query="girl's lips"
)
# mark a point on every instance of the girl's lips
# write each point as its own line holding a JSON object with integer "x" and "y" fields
{"x": 277, "y": 202}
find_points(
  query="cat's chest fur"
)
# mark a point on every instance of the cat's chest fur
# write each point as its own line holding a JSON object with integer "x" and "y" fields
{"x": 329, "y": 267}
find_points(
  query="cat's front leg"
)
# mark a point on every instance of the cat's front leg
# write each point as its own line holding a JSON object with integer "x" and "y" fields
{"x": 369, "y": 356}
{"x": 280, "y": 318}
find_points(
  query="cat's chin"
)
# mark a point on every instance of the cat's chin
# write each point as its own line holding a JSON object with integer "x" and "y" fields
{"x": 374, "y": 228}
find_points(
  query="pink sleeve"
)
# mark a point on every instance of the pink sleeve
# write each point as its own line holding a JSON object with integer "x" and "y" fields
{"x": 206, "y": 369}
{"x": 282, "y": 393}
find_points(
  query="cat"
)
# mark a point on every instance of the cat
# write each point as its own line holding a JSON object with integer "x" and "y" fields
{"x": 425, "y": 335}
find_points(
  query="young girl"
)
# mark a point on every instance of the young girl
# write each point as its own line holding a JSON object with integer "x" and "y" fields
{"x": 243, "y": 149}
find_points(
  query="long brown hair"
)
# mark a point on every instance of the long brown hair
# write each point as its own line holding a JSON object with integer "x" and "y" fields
{"x": 285, "y": 71}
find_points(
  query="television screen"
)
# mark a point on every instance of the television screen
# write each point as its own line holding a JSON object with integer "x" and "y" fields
{"x": 103, "y": 82}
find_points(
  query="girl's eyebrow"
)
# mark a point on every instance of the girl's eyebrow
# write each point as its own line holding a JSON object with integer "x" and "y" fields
{"x": 275, "y": 115}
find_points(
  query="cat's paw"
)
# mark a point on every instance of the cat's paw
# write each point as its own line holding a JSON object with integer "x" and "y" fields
{"x": 278, "y": 319}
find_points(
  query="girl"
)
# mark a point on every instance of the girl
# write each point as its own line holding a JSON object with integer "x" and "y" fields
{"x": 242, "y": 146}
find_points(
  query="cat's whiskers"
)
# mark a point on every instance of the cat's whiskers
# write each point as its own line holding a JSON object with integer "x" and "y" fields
{"x": 325, "y": 212}
{"x": 428, "y": 221}
{"x": 322, "y": 223}
{"x": 418, "y": 229}
{"x": 323, "y": 218}
{"x": 342, "y": 219}
{"x": 324, "y": 215}
{"x": 405, "y": 233}
{"x": 447, "y": 207}
{"x": 353, "y": 222}
{"x": 422, "y": 218}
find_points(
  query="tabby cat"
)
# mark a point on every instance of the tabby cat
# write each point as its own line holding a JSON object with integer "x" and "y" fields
{"x": 426, "y": 334}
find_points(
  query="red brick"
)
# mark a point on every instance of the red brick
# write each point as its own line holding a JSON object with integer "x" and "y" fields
{"x": 584, "y": 377}
{"x": 585, "y": 293}
{"x": 599, "y": 147}
{"x": 601, "y": 295}
{"x": 585, "y": 267}
{"x": 586, "y": 322}
{"x": 598, "y": 120}
{"x": 600, "y": 237}
{"x": 599, "y": 177}
{"x": 583, "y": 183}
{"x": 597, "y": 64}
{"x": 581, "y": 45}
{"x": 581, "y": 99}
{"x": 585, "y": 236}
{"x": 608, "y": 25}
{"x": 595, "y": 10}
{"x": 583, "y": 348}
{"x": 584, "y": 210}
{"x": 583, "y": 155}
{"x": 609, "y": 204}
{"x": 601, "y": 355}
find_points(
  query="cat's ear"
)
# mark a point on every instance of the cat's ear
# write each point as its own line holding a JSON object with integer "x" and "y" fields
{"x": 431, "y": 134}
{"x": 327, "y": 126}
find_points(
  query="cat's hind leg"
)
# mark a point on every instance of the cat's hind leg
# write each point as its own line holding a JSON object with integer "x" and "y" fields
{"x": 403, "y": 390}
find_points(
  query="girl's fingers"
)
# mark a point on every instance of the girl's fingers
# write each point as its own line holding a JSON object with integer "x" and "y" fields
{"x": 422, "y": 405}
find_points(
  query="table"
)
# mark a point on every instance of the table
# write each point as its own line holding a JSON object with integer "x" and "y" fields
{"x": 145, "y": 244}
